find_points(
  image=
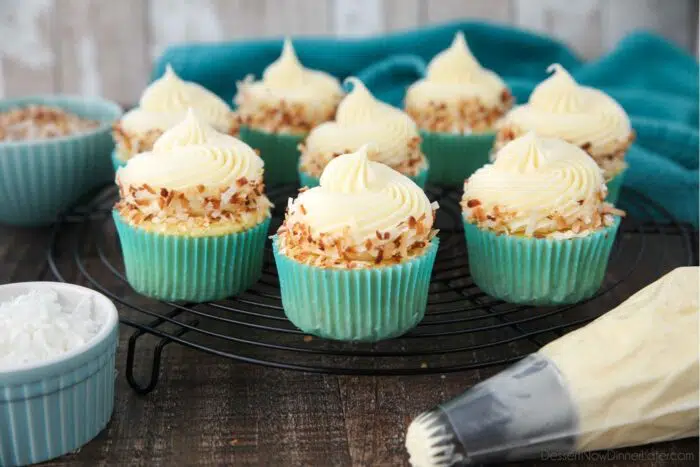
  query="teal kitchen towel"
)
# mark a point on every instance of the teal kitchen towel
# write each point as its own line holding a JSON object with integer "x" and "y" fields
{"x": 655, "y": 81}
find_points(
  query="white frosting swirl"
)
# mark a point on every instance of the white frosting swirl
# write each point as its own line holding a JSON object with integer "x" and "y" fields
{"x": 362, "y": 119}
{"x": 315, "y": 94}
{"x": 535, "y": 181}
{"x": 454, "y": 75}
{"x": 360, "y": 197}
{"x": 561, "y": 108}
{"x": 286, "y": 72}
{"x": 191, "y": 154}
{"x": 165, "y": 102}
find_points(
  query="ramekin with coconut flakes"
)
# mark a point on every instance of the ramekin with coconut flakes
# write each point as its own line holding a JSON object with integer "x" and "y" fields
{"x": 59, "y": 152}
{"x": 57, "y": 369}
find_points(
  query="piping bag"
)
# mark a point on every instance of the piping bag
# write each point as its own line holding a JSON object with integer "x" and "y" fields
{"x": 628, "y": 378}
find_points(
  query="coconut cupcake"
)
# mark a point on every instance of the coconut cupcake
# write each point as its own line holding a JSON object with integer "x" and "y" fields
{"x": 457, "y": 106}
{"x": 192, "y": 217}
{"x": 537, "y": 227}
{"x": 354, "y": 255}
{"x": 163, "y": 105}
{"x": 277, "y": 112}
{"x": 362, "y": 119}
{"x": 560, "y": 108}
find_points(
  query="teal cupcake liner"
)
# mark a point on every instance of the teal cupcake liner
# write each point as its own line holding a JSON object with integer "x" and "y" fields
{"x": 279, "y": 151}
{"x": 453, "y": 158}
{"x": 358, "y": 304}
{"x": 40, "y": 179}
{"x": 196, "y": 269}
{"x": 116, "y": 161}
{"x": 310, "y": 181}
{"x": 615, "y": 187}
{"x": 538, "y": 271}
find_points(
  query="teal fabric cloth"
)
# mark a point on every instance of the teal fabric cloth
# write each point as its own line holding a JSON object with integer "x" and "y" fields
{"x": 655, "y": 81}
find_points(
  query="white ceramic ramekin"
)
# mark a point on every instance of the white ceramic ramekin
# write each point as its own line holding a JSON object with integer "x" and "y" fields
{"x": 53, "y": 407}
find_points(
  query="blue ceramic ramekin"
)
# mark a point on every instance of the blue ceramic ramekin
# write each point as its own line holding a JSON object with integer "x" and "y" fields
{"x": 53, "y": 407}
{"x": 39, "y": 179}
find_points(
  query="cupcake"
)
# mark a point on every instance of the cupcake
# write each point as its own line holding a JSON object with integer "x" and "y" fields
{"x": 456, "y": 107}
{"x": 363, "y": 119}
{"x": 192, "y": 217}
{"x": 163, "y": 105}
{"x": 354, "y": 255}
{"x": 537, "y": 226}
{"x": 561, "y": 108}
{"x": 277, "y": 112}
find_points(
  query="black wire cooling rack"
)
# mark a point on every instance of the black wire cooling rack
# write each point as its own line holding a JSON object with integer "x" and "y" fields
{"x": 464, "y": 329}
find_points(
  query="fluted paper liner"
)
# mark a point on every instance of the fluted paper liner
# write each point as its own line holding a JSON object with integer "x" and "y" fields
{"x": 197, "y": 269}
{"x": 453, "y": 158}
{"x": 310, "y": 181}
{"x": 538, "y": 271}
{"x": 279, "y": 151}
{"x": 356, "y": 304}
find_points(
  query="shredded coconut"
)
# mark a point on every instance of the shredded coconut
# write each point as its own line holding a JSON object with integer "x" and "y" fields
{"x": 36, "y": 122}
{"x": 36, "y": 327}
{"x": 466, "y": 117}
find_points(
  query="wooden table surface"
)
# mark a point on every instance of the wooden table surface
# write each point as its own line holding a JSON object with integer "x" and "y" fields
{"x": 207, "y": 410}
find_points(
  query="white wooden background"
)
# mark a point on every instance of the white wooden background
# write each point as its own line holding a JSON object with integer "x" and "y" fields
{"x": 107, "y": 46}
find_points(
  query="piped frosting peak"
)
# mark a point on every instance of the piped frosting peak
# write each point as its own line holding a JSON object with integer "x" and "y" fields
{"x": 165, "y": 101}
{"x": 288, "y": 98}
{"x": 456, "y": 64}
{"x": 559, "y": 93}
{"x": 351, "y": 173}
{"x": 559, "y": 107}
{"x": 524, "y": 155}
{"x": 359, "y": 105}
{"x": 458, "y": 95}
{"x": 287, "y": 71}
{"x": 361, "y": 118}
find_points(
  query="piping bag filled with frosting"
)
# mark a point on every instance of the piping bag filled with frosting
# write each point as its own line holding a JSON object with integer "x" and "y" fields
{"x": 628, "y": 378}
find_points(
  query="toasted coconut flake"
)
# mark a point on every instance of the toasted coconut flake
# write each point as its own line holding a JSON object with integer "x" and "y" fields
{"x": 296, "y": 240}
{"x": 314, "y": 162}
{"x": 195, "y": 207}
{"x": 282, "y": 116}
{"x": 468, "y": 116}
{"x": 499, "y": 220}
